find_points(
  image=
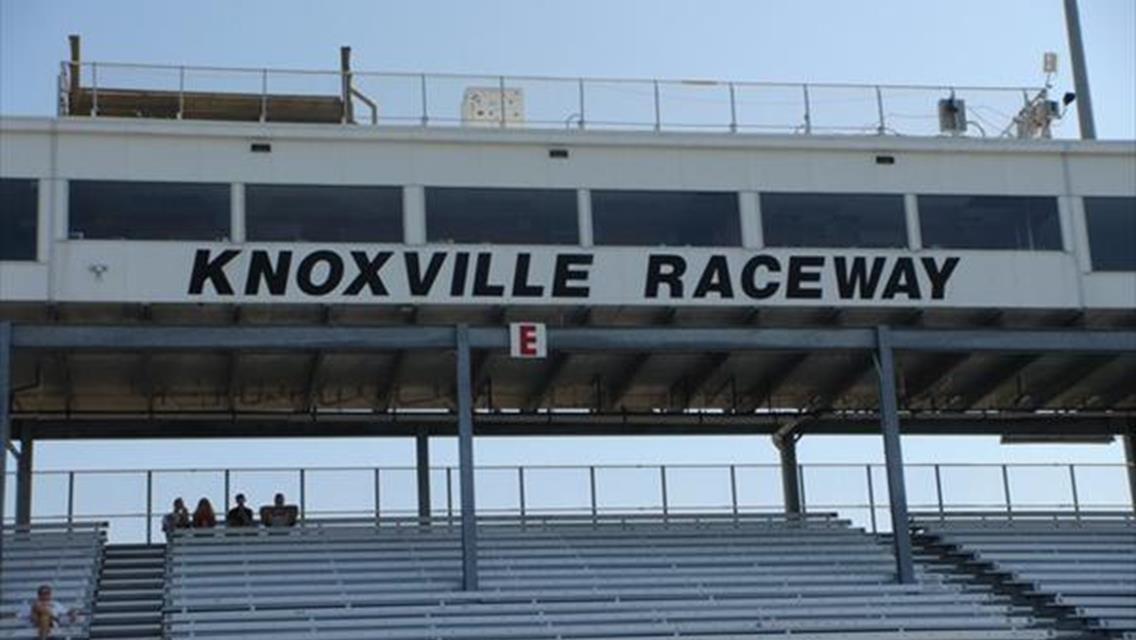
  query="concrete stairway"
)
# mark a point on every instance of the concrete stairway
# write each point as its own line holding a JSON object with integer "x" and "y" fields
{"x": 128, "y": 603}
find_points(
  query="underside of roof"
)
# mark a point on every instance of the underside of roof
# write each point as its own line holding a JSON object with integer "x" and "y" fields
{"x": 692, "y": 391}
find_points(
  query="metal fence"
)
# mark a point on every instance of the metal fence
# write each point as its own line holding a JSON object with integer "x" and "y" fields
{"x": 133, "y": 501}
{"x": 436, "y": 100}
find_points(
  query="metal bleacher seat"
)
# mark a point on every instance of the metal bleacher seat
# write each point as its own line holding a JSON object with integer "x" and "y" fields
{"x": 65, "y": 556}
{"x": 1084, "y": 560}
{"x": 690, "y": 576}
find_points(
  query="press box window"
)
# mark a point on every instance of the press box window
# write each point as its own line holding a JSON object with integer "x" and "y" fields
{"x": 501, "y": 216}
{"x": 1023, "y": 223}
{"x": 106, "y": 210}
{"x": 666, "y": 218}
{"x": 833, "y": 220}
{"x": 18, "y": 211}
{"x": 323, "y": 213}
{"x": 1112, "y": 233}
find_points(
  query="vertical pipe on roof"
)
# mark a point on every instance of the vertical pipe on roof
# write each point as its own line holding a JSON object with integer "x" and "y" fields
{"x": 345, "y": 85}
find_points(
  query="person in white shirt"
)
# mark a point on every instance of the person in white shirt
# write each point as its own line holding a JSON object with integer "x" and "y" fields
{"x": 45, "y": 614}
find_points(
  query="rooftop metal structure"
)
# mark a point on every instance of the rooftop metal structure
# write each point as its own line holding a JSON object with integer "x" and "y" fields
{"x": 387, "y": 98}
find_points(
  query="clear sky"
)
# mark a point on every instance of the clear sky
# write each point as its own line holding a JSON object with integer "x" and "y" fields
{"x": 973, "y": 42}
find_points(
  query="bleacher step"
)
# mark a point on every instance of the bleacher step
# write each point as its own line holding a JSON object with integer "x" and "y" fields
{"x": 128, "y": 604}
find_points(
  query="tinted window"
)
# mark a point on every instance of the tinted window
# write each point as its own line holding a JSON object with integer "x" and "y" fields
{"x": 149, "y": 210}
{"x": 18, "y": 199}
{"x": 671, "y": 218}
{"x": 502, "y": 216}
{"x": 1112, "y": 233}
{"x": 989, "y": 222}
{"x": 323, "y": 213}
{"x": 833, "y": 220}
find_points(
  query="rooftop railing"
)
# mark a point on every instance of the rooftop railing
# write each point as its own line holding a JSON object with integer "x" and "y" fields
{"x": 531, "y": 102}
{"x": 133, "y": 501}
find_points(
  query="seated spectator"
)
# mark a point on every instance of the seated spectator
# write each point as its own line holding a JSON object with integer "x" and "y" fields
{"x": 45, "y": 614}
{"x": 240, "y": 515}
{"x": 203, "y": 516}
{"x": 279, "y": 514}
{"x": 176, "y": 519}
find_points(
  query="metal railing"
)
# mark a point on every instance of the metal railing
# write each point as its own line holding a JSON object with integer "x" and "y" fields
{"x": 133, "y": 501}
{"x": 436, "y": 99}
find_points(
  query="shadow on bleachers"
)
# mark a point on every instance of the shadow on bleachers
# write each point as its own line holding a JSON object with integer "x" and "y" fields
{"x": 65, "y": 556}
{"x": 1084, "y": 561}
{"x": 689, "y": 576}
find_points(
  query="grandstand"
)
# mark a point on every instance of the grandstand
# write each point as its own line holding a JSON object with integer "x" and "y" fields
{"x": 484, "y": 259}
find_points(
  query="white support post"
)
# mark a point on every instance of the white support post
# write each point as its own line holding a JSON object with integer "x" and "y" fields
{"x": 237, "y": 212}
{"x": 749, "y": 207}
{"x": 584, "y": 217}
{"x": 911, "y": 215}
{"x": 414, "y": 214}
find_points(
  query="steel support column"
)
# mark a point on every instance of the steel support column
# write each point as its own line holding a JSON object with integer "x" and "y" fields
{"x": 423, "y": 472}
{"x": 1130, "y": 459}
{"x": 465, "y": 460}
{"x": 893, "y": 455}
{"x": 790, "y": 478}
{"x": 5, "y": 417}
{"x": 24, "y": 480}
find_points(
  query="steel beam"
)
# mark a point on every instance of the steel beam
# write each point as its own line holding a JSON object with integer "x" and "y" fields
{"x": 422, "y": 470}
{"x": 893, "y": 455}
{"x": 443, "y": 423}
{"x": 790, "y": 475}
{"x": 584, "y": 339}
{"x": 24, "y": 479}
{"x": 1130, "y": 459}
{"x": 5, "y": 414}
{"x": 465, "y": 460}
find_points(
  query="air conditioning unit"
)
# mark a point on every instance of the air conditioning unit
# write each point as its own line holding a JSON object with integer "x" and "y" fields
{"x": 482, "y": 106}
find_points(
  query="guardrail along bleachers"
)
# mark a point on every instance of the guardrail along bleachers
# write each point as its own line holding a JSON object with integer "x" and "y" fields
{"x": 1082, "y": 560}
{"x": 565, "y": 577}
{"x": 65, "y": 556}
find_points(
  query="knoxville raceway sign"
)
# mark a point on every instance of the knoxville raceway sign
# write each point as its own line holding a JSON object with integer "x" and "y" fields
{"x": 436, "y": 274}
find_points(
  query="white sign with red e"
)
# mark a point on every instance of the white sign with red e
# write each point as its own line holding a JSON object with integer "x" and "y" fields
{"x": 528, "y": 340}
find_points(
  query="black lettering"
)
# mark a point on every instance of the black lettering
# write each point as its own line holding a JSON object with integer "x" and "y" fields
{"x": 749, "y": 277}
{"x": 569, "y": 269}
{"x": 858, "y": 281}
{"x": 420, "y": 285}
{"x": 331, "y": 280}
{"x": 212, "y": 271}
{"x": 461, "y": 268}
{"x": 262, "y": 269}
{"x": 481, "y": 284}
{"x": 715, "y": 279}
{"x": 795, "y": 288}
{"x": 902, "y": 280}
{"x": 521, "y": 286}
{"x": 664, "y": 269}
{"x": 939, "y": 277}
{"x": 368, "y": 273}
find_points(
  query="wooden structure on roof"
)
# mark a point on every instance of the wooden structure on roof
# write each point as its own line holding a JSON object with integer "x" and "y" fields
{"x": 205, "y": 105}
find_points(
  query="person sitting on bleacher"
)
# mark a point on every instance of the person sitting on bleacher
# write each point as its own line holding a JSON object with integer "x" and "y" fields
{"x": 45, "y": 614}
{"x": 279, "y": 514}
{"x": 203, "y": 516}
{"x": 176, "y": 519}
{"x": 240, "y": 515}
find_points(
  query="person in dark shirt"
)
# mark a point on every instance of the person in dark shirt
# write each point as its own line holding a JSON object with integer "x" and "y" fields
{"x": 240, "y": 515}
